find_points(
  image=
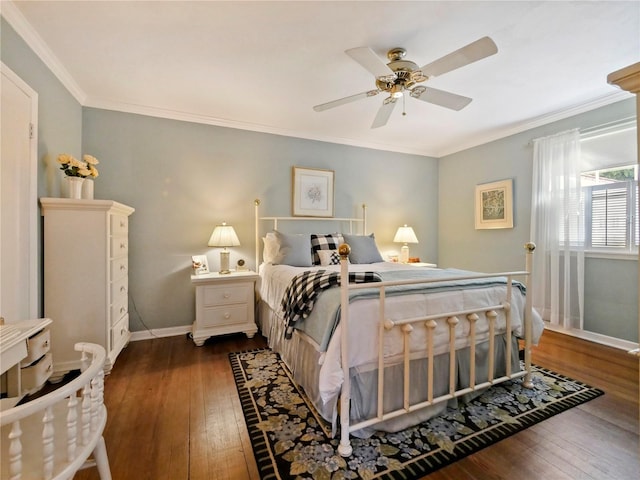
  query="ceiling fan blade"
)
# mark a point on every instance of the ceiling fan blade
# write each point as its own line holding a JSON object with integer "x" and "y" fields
{"x": 473, "y": 52}
{"x": 341, "y": 101}
{"x": 440, "y": 97}
{"x": 384, "y": 112}
{"x": 370, "y": 61}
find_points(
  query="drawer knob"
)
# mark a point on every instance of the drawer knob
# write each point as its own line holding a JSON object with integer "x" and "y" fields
{"x": 45, "y": 344}
{"x": 123, "y": 223}
{"x": 122, "y": 309}
{"x": 123, "y": 245}
{"x": 123, "y": 289}
{"x": 227, "y": 316}
{"x": 49, "y": 367}
{"x": 123, "y": 267}
{"x": 226, "y": 295}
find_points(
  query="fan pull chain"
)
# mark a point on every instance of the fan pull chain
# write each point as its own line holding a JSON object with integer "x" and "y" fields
{"x": 404, "y": 104}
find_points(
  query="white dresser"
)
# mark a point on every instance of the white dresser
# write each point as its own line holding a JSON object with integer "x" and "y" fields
{"x": 86, "y": 280}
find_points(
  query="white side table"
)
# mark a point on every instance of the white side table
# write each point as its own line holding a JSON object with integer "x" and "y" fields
{"x": 224, "y": 304}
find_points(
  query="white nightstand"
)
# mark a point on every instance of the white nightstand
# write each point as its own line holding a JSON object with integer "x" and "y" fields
{"x": 224, "y": 304}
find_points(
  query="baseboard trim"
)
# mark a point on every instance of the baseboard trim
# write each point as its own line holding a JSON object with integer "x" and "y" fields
{"x": 593, "y": 337}
{"x": 160, "y": 333}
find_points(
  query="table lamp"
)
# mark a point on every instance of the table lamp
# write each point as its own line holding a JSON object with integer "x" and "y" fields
{"x": 405, "y": 235}
{"x": 224, "y": 236}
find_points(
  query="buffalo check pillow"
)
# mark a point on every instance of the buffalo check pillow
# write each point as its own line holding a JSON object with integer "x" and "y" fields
{"x": 320, "y": 242}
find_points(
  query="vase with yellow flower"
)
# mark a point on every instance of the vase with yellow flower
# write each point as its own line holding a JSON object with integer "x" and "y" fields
{"x": 76, "y": 172}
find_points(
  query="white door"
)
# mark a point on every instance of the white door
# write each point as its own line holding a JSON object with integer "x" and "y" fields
{"x": 18, "y": 199}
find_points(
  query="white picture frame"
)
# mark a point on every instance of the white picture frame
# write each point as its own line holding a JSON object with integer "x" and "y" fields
{"x": 199, "y": 264}
{"x": 494, "y": 205}
{"x": 312, "y": 192}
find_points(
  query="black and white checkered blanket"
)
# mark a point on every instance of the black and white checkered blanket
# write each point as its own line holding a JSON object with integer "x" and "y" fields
{"x": 301, "y": 293}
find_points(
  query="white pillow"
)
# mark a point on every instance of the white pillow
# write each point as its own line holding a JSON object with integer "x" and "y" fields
{"x": 329, "y": 257}
{"x": 271, "y": 248}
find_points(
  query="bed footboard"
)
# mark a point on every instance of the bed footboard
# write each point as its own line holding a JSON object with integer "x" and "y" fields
{"x": 406, "y": 327}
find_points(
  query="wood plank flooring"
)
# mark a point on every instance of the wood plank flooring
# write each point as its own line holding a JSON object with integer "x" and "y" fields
{"x": 174, "y": 414}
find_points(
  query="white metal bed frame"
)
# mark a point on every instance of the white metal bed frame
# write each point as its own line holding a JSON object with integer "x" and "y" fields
{"x": 406, "y": 326}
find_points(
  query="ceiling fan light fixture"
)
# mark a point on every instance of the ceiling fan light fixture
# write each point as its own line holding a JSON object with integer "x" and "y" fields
{"x": 396, "y": 94}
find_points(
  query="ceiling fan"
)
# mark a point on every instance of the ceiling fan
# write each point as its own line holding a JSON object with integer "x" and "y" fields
{"x": 400, "y": 77}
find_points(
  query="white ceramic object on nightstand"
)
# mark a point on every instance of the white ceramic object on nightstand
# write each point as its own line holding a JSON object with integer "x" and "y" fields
{"x": 224, "y": 304}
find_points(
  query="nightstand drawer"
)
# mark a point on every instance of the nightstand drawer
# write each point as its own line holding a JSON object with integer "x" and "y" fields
{"x": 227, "y": 294}
{"x": 37, "y": 346}
{"x": 34, "y": 376}
{"x": 229, "y": 315}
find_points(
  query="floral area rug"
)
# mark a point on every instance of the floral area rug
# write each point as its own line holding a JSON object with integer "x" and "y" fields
{"x": 291, "y": 441}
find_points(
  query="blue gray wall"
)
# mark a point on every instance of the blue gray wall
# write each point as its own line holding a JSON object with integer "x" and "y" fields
{"x": 184, "y": 178}
{"x": 611, "y": 304}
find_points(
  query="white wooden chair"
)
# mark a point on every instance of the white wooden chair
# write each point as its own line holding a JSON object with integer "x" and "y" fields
{"x": 53, "y": 436}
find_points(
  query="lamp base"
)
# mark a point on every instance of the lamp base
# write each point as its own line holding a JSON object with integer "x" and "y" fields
{"x": 224, "y": 263}
{"x": 404, "y": 254}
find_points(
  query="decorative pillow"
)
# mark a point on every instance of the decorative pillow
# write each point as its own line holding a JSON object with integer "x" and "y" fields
{"x": 271, "y": 248}
{"x": 294, "y": 250}
{"x": 324, "y": 242}
{"x": 363, "y": 248}
{"x": 329, "y": 257}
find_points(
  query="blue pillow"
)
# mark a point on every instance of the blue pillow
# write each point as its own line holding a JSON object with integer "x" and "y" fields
{"x": 295, "y": 250}
{"x": 363, "y": 248}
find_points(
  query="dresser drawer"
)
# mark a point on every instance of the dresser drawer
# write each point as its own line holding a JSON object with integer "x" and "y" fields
{"x": 119, "y": 246}
{"x": 34, "y": 376}
{"x": 119, "y": 225}
{"x": 120, "y": 333}
{"x": 119, "y": 289}
{"x": 119, "y": 268}
{"x": 227, "y": 315}
{"x": 37, "y": 346}
{"x": 227, "y": 294}
{"x": 119, "y": 309}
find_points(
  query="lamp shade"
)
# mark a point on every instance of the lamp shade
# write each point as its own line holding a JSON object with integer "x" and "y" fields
{"x": 223, "y": 236}
{"x": 405, "y": 235}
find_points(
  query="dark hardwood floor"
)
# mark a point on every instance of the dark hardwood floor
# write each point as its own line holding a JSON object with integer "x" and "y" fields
{"x": 174, "y": 414}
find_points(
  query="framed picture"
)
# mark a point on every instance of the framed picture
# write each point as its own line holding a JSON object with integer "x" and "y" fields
{"x": 494, "y": 205}
{"x": 312, "y": 192}
{"x": 200, "y": 264}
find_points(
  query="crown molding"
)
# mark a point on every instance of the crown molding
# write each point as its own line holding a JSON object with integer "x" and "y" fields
{"x": 14, "y": 17}
{"x": 221, "y": 122}
{"x": 538, "y": 122}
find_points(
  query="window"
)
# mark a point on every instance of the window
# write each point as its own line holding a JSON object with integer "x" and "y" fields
{"x": 610, "y": 208}
{"x": 610, "y": 187}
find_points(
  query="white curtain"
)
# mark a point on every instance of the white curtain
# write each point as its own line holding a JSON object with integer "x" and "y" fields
{"x": 557, "y": 228}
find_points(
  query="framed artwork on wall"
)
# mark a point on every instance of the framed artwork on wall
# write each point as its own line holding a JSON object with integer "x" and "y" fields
{"x": 494, "y": 205}
{"x": 200, "y": 264}
{"x": 312, "y": 192}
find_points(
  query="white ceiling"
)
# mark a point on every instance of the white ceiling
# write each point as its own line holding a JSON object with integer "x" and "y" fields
{"x": 263, "y": 65}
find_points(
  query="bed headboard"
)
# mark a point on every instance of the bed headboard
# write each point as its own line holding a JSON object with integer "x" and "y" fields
{"x": 274, "y": 221}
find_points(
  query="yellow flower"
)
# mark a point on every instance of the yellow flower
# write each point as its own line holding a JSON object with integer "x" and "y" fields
{"x": 73, "y": 167}
{"x": 91, "y": 160}
{"x": 64, "y": 159}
